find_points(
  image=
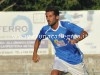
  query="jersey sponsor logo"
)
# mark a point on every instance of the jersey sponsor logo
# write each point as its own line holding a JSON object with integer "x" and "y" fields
{"x": 60, "y": 43}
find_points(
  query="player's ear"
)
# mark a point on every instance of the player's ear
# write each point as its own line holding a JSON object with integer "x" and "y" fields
{"x": 57, "y": 17}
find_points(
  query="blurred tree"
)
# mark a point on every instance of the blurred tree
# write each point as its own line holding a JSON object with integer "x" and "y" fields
{"x": 97, "y": 5}
{"x": 37, "y": 5}
{"x": 7, "y": 4}
{"x": 86, "y": 4}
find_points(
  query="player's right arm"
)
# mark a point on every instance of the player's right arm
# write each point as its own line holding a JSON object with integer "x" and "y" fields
{"x": 40, "y": 36}
{"x": 36, "y": 57}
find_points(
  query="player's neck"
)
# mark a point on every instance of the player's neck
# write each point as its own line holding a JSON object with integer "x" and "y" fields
{"x": 55, "y": 26}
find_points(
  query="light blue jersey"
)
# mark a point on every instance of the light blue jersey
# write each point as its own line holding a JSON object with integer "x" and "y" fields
{"x": 59, "y": 38}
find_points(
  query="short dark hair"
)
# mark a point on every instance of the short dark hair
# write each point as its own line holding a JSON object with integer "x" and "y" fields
{"x": 53, "y": 8}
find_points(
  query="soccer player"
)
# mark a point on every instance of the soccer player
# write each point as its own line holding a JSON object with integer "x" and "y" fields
{"x": 68, "y": 57}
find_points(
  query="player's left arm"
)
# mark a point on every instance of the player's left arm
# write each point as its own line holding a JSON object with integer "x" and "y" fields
{"x": 83, "y": 35}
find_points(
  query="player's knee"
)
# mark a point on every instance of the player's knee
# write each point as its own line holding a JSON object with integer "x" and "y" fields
{"x": 54, "y": 72}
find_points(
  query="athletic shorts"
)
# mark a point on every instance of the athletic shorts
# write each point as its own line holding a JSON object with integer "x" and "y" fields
{"x": 78, "y": 69}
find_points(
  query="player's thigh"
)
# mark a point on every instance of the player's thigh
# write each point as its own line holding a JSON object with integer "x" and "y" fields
{"x": 56, "y": 72}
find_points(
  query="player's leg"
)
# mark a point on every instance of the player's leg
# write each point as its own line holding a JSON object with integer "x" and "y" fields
{"x": 56, "y": 72}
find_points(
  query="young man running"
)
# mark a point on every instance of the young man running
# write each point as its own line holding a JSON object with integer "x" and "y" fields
{"x": 68, "y": 57}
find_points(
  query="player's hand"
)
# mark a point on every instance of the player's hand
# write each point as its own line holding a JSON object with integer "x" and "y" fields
{"x": 35, "y": 58}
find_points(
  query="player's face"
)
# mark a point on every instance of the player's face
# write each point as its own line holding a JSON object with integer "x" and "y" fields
{"x": 52, "y": 19}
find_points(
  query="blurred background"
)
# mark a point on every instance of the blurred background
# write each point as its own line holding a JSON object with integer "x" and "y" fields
{"x": 20, "y": 23}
